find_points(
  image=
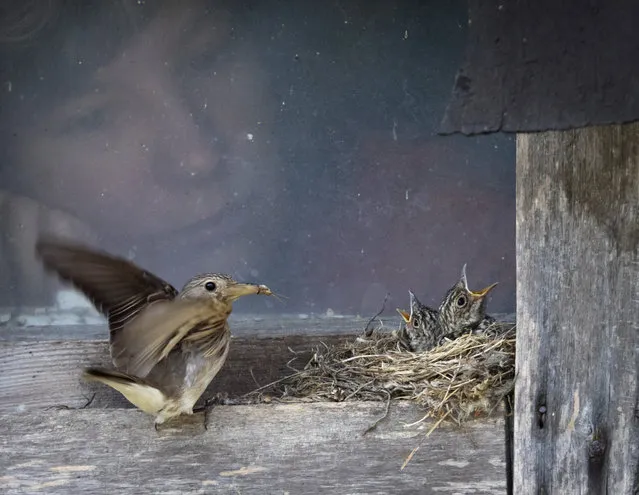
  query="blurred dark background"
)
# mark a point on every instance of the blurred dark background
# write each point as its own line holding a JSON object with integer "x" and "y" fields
{"x": 287, "y": 143}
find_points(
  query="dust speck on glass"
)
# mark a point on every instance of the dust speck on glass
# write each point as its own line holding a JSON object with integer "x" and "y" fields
{"x": 279, "y": 142}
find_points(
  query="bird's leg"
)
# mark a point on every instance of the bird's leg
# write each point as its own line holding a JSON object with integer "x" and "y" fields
{"x": 206, "y": 416}
{"x": 206, "y": 408}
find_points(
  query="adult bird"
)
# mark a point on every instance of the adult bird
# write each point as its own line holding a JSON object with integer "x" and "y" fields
{"x": 166, "y": 346}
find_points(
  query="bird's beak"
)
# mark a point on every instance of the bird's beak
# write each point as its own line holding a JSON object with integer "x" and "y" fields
{"x": 484, "y": 291}
{"x": 238, "y": 290}
{"x": 404, "y": 315}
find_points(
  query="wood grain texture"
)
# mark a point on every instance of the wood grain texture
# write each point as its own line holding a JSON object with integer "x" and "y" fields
{"x": 43, "y": 374}
{"x": 249, "y": 326}
{"x": 38, "y": 371}
{"x": 577, "y": 403}
{"x": 41, "y": 366}
{"x": 274, "y": 449}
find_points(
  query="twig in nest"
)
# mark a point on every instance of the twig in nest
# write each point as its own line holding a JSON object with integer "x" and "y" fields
{"x": 353, "y": 394}
{"x": 253, "y": 376}
{"x": 89, "y": 401}
{"x": 288, "y": 363}
{"x": 414, "y": 451}
{"x": 273, "y": 383}
{"x": 460, "y": 380}
{"x": 374, "y": 425}
{"x": 369, "y": 331}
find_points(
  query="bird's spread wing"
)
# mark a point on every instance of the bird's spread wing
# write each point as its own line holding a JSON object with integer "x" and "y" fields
{"x": 150, "y": 337}
{"x": 119, "y": 289}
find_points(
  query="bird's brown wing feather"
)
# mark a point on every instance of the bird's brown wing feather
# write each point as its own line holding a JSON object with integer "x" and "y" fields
{"x": 119, "y": 289}
{"x": 150, "y": 337}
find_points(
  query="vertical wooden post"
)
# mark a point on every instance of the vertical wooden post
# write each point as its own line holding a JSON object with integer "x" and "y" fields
{"x": 576, "y": 405}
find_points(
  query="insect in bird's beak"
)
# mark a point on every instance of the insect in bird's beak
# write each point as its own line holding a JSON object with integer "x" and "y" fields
{"x": 263, "y": 289}
{"x": 279, "y": 297}
{"x": 238, "y": 290}
{"x": 483, "y": 292}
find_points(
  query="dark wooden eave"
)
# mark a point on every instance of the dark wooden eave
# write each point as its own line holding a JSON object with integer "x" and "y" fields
{"x": 536, "y": 65}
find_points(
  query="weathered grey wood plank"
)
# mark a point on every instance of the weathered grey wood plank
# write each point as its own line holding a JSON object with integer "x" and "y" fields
{"x": 577, "y": 403}
{"x": 242, "y": 326}
{"x": 43, "y": 374}
{"x": 293, "y": 448}
{"x": 536, "y": 65}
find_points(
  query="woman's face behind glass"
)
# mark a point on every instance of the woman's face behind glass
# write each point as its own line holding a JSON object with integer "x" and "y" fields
{"x": 273, "y": 141}
{"x": 170, "y": 131}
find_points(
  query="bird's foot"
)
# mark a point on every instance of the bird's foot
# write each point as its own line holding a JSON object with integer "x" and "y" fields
{"x": 160, "y": 421}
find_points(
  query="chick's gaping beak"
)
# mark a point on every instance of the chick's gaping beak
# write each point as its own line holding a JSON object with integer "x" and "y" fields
{"x": 404, "y": 315}
{"x": 484, "y": 291}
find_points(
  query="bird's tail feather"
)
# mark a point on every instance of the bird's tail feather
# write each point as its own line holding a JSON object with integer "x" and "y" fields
{"x": 137, "y": 391}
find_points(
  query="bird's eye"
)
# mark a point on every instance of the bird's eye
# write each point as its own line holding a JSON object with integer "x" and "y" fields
{"x": 461, "y": 301}
{"x": 416, "y": 322}
{"x": 210, "y": 286}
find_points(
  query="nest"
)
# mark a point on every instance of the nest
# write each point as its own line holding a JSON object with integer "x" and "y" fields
{"x": 462, "y": 379}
